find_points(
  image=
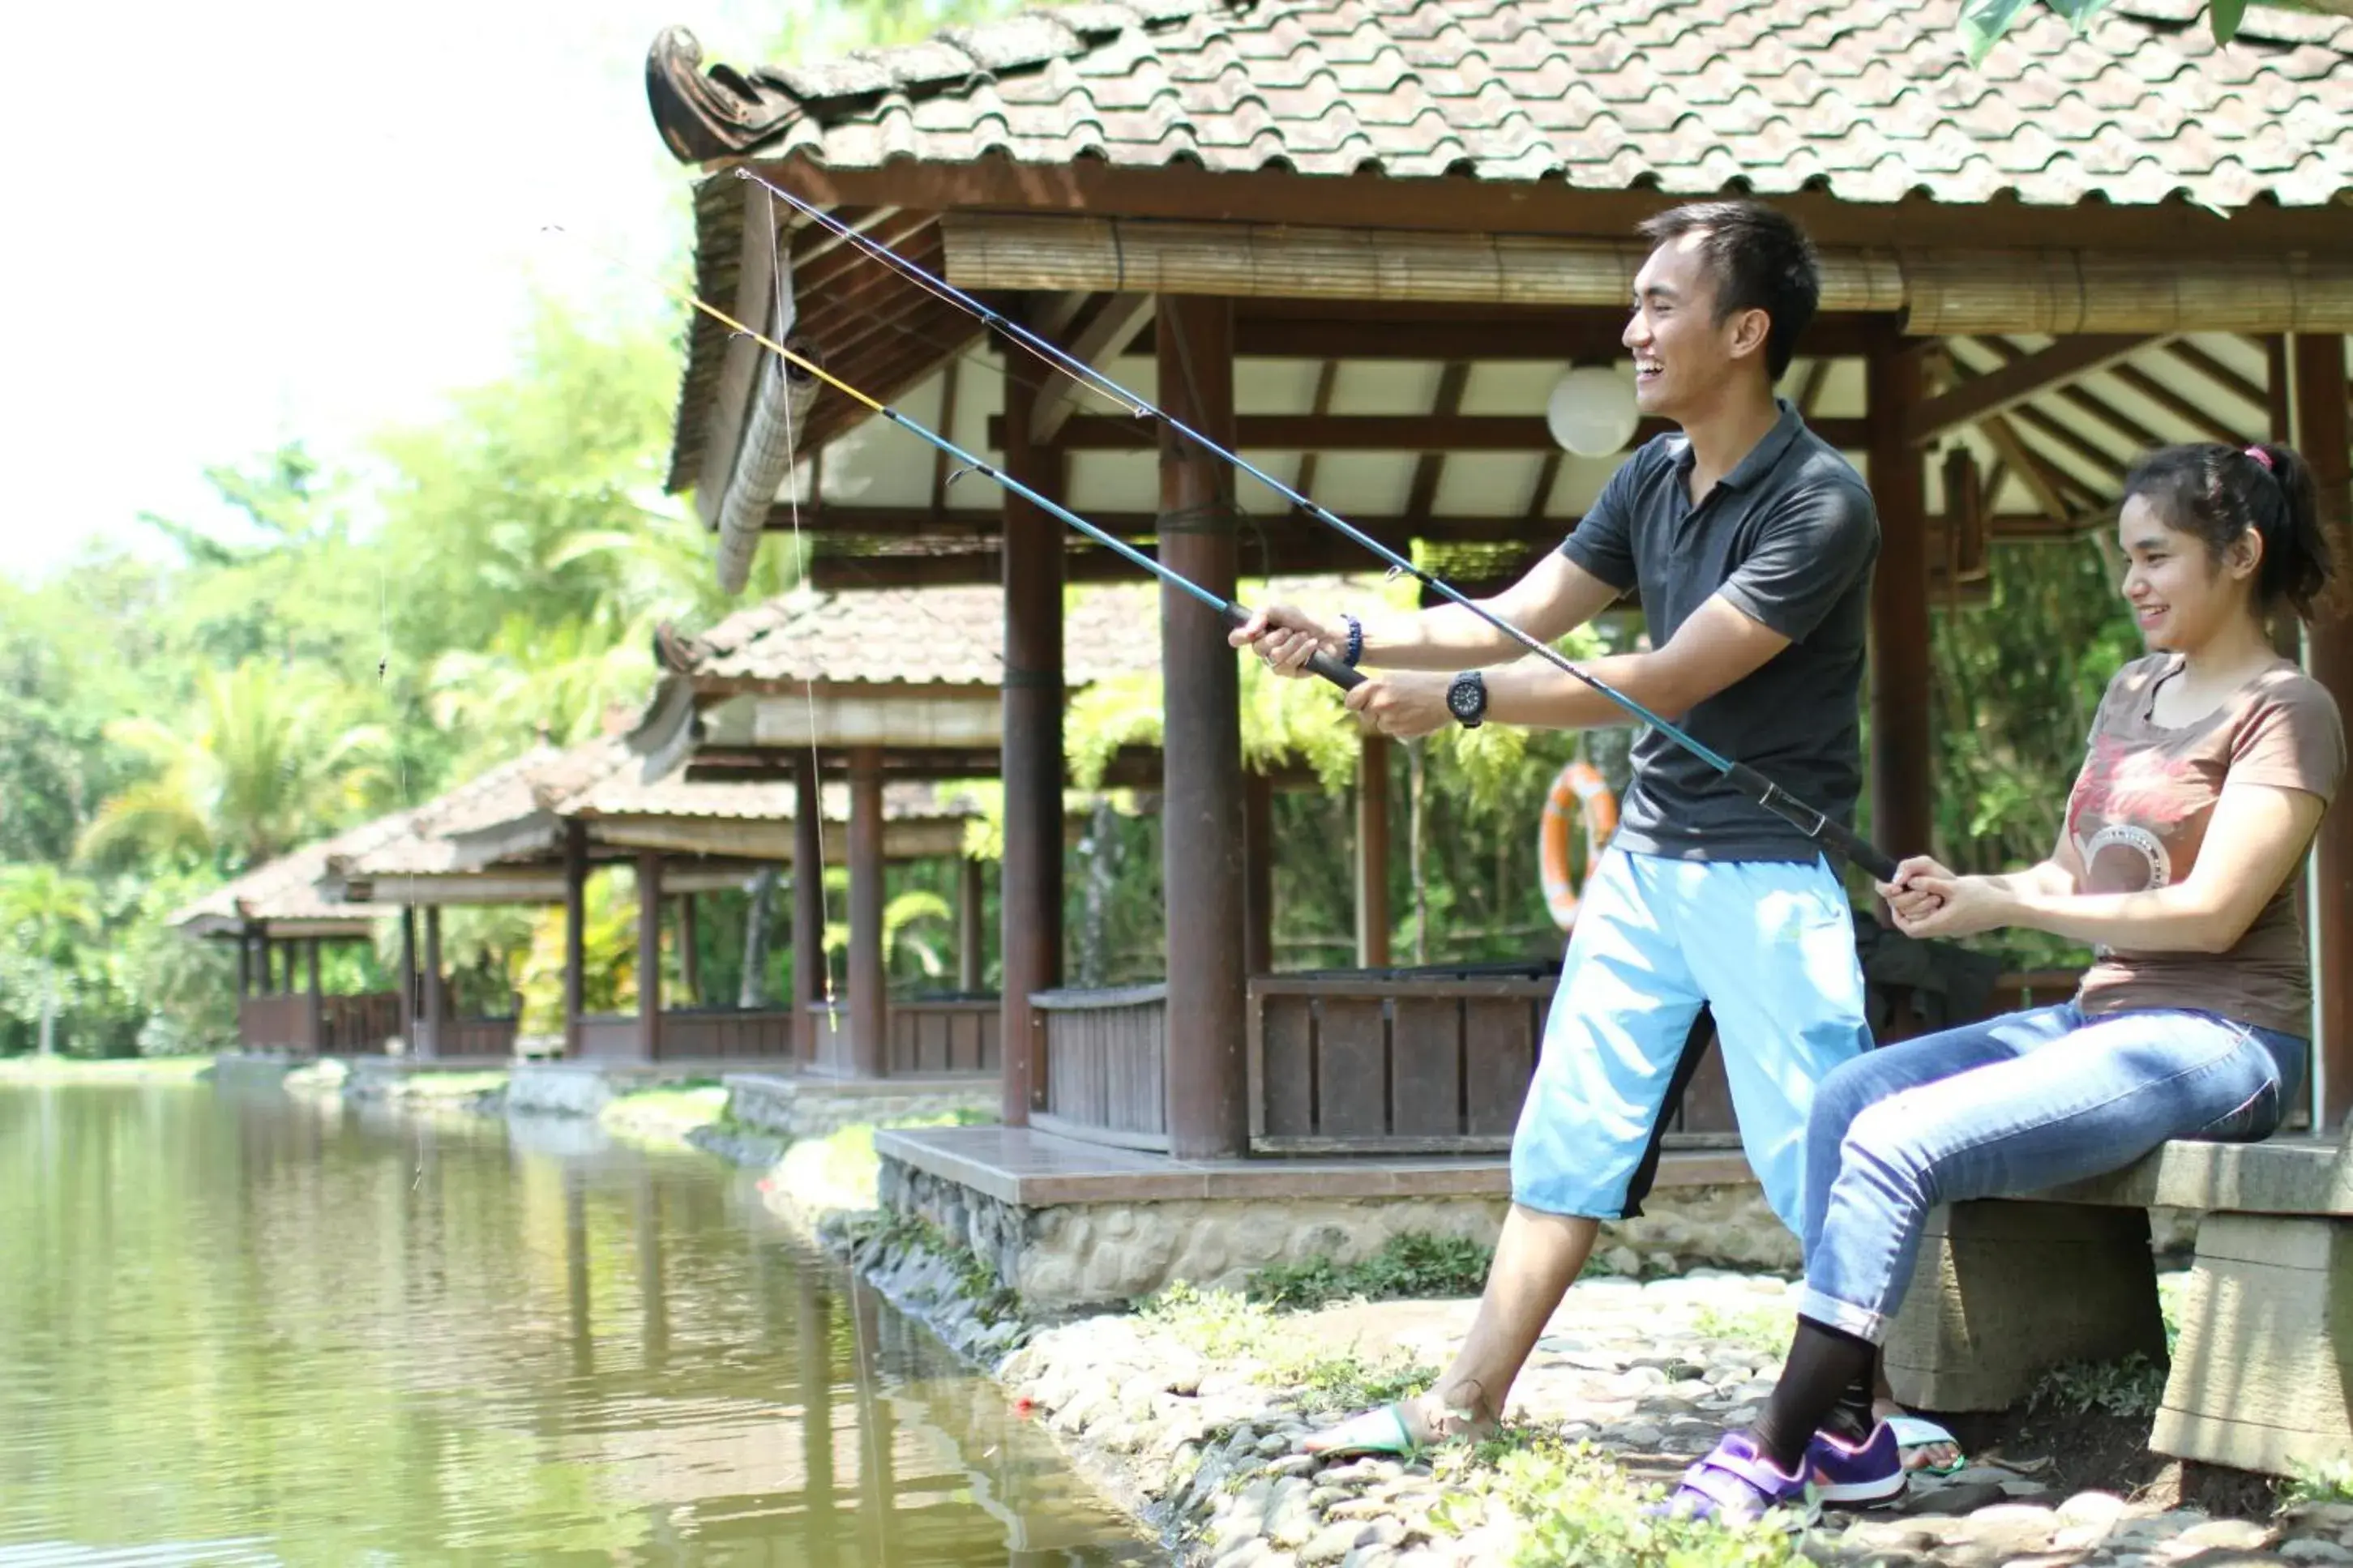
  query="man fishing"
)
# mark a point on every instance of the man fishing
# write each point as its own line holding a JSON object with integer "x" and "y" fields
{"x": 1751, "y": 542}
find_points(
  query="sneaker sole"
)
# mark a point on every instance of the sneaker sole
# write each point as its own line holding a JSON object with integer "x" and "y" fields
{"x": 1864, "y": 1492}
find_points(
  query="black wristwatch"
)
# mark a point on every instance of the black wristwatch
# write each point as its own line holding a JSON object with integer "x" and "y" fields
{"x": 1466, "y": 699}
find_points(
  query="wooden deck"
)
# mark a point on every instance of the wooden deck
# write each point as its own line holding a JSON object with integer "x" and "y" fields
{"x": 1036, "y": 1169}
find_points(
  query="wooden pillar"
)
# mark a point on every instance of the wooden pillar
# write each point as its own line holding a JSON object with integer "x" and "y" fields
{"x": 970, "y": 965}
{"x": 575, "y": 923}
{"x": 809, "y": 909}
{"x": 408, "y": 976}
{"x": 244, "y": 964}
{"x": 868, "y": 1043}
{"x": 649, "y": 923}
{"x": 1373, "y": 852}
{"x": 1258, "y": 874}
{"x": 1201, "y": 810}
{"x": 1903, "y": 801}
{"x": 2327, "y": 443}
{"x": 318, "y": 997}
{"x": 436, "y": 1004}
{"x": 690, "y": 962}
{"x": 1029, "y": 880}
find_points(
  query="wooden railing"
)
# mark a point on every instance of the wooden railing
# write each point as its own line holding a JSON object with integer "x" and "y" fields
{"x": 728, "y": 1034}
{"x": 358, "y": 1025}
{"x": 1103, "y": 1058}
{"x": 945, "y": 1033}
{"x": 475, "y": 1037}
{"x": 1402, "y": 1062}
{"x": 276, "y": 1023}
{"x": 702, "y": 1034}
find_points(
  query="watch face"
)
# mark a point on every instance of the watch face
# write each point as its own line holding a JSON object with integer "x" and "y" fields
{"x": 1462, "y": 696}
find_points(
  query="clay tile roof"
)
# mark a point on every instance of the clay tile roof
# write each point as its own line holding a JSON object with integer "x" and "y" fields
{"x": 623, "y": 797}
{"x": 939, "y": 636}
{"x": 284, "y": 890}
{"x": 432, "y": 837}
{"x": 1606, "y": 94}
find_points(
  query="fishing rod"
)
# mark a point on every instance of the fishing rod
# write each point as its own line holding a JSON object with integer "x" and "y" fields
{"x": 1809, "y": 820}
{"x": 1232, "y": 614}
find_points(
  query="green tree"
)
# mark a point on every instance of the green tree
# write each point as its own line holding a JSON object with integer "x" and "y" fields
{"x": 265, "y": 759}
{"x": 41, "y": 910}
{"x": 1983, "y": 22}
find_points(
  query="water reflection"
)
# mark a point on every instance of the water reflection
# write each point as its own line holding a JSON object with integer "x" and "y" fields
{"x": 240, "y": 1327}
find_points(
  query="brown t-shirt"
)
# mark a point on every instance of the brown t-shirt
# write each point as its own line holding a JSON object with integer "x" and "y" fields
{"x": 2139, "y": 812}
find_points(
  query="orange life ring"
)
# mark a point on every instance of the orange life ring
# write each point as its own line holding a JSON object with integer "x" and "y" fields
{"x": 1582, "y": 792}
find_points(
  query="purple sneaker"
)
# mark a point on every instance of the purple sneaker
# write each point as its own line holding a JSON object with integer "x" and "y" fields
{"x": 1865, "y": 1473}
{"x": 1737, "y": 1485}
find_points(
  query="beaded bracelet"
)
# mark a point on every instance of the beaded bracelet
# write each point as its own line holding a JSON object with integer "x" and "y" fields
{"x": 1356, "y": 640}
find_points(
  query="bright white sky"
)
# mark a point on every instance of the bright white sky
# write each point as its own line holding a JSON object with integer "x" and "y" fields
{"x": 233, "y": 223}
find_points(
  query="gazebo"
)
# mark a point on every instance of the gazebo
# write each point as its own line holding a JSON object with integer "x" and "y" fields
{"x": 533, "y": 830}
{"x": 275, "y": 914}
{"x": 1361, "y": 244}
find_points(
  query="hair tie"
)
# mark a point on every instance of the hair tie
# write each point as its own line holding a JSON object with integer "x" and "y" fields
{"x": 2260, "y": 456}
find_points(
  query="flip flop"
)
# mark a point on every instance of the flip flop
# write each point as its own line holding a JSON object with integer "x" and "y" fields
{"x": 1381, "y": 1431}
{"x": 1913, "y": 1433}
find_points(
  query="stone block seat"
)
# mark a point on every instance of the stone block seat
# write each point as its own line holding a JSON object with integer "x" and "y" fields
{"x": 2262, "y": 1377}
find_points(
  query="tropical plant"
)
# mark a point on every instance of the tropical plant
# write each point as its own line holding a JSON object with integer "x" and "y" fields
{"x": 41, "y": 910}
{"x": 265, "y": 759}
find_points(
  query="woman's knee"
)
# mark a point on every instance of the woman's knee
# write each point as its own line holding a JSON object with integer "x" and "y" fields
{"x": 1844, "y": 1093}
{"x": 1880, "y": 1144}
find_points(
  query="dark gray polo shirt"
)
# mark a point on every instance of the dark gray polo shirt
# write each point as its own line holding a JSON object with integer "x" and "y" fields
{"x": 1790, "y": 537}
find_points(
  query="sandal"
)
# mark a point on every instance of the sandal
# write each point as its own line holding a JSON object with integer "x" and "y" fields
{"x": 1914, "y": 1435}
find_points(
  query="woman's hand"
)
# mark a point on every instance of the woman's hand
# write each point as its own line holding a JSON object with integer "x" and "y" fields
{"x": 1907, "y": 899}
{"x": 1954, "y": 906}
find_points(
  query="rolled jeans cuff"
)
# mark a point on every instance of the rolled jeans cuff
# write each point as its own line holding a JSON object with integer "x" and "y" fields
{"x": 1848, "y": 1319}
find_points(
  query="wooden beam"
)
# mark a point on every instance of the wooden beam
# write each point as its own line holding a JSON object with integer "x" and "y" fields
{"x": 1432, "y": 466}
{"x": 870, "y": 1022}
{"x": 1809, "y": 390}
{"x": 2323, "y": 434}
{"x": 1103, "y": 338}
{"x": 1258, "y": 874}
{"x": 1903, "y": 795}
{"x": 1207, "y": 1101}
{"x": 436, "y": 1006}
{"x": 576, "y": 927}
{"x": 2028, "y": 376}
{"x": 649, "y": 924}
{"x": 2221, "y": 374}
{"x": 947, "y": 428}
{"x": 1328, "y": 376}
{"x": 2196, "y": 415}
{"x": 1029, "y": 889}
{"x": 1373, "y": 852}
{"x": 970, "y": 927}
{"x": 2110, "y": 467}
{"x": 689, "y": 957}
{"x": 1374, "y": 433}
{"x": 808, "y": 908}
{"x": 408, "y": 977}
{"x": 2082, "y": 397}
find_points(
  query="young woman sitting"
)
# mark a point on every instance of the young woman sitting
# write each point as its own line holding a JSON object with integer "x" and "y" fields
{"x": 2209, "y": 764}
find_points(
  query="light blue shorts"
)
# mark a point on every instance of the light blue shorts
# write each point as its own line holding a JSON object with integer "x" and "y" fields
{"x": 1766, "y": 946}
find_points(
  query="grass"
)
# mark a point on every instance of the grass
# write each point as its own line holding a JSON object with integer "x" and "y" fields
{"x": 1412, "y": 1265}
{"x": 102, "y": 1069}
{"x": 671, "y": 1110}
{"x": 2328, "y": 1481}
{"x": 1226, "y": 1327}
{"x": 2131, "y": 1387}
{"x": 1577, "y": 1509}
{"x": 1764, "y": 1329}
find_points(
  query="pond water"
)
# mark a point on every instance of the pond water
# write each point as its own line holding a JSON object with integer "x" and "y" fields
{"x": 243, "y": 1327}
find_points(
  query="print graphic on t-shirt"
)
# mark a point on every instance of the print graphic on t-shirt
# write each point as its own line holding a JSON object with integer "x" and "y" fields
{"x": 2135, "y": 813}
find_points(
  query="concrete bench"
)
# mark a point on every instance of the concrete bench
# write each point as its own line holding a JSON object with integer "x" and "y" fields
{"x": 2262, "y": 1377}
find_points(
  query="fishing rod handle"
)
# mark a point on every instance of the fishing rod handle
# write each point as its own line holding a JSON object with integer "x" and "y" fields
{"x": 1773, "y": 798}
{"x": 1319, "y": 663}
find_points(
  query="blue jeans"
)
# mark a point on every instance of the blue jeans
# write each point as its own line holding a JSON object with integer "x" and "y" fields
{"x": 2013, "y": 1105}
{"x": 1768, "y": 946}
